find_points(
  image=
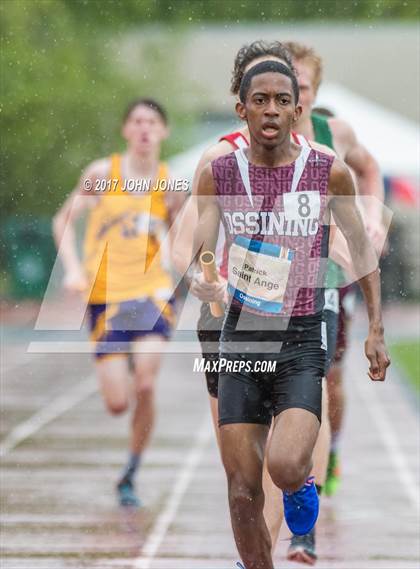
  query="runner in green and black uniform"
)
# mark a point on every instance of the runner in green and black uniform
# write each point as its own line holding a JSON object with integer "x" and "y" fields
{"x": 338, "y": 310}
{"x": 334, "y": 278}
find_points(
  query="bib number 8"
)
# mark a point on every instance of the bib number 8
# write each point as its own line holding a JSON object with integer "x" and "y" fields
{"x": 302, "y": 205}
{"x": 304, "y": 209}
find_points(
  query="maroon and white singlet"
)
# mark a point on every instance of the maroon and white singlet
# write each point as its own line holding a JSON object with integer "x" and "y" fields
{"x": 276, "y": 231}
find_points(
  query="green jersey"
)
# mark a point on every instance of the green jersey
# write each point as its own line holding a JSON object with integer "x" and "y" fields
{"x": 334, "y": 276}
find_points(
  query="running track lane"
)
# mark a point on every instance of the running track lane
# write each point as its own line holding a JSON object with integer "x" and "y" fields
{"x": 58, "y": 504}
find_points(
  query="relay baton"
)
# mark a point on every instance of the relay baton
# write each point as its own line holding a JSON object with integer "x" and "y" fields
{"x": 208, "y": 265}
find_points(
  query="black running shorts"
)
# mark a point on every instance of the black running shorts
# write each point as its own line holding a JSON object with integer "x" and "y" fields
{"x": 208, "y": 332}
{"x": 298, "y": 351}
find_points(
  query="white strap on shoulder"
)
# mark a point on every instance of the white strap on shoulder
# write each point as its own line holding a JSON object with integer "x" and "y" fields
{"x": 241, "y": 142}
{"x": 300, "y": 164}
{"x": 242, "y": 161}
{"x": 302, "y": 140}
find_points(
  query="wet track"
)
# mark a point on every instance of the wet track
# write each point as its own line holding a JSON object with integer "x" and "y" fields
{"x": 62, "y": 454}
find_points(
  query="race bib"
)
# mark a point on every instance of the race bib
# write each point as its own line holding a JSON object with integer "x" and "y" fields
{"x": 332, "y": 299}
{"x": 324, "y": 336}
{"x": 301, "y": 205}
{"x": 258, "y": 273}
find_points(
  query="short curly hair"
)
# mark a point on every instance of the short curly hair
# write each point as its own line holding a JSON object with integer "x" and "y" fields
{"x": 256, "y": 50}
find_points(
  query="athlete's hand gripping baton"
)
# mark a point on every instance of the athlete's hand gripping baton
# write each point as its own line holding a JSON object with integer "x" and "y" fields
{"x": 208, "y": 265}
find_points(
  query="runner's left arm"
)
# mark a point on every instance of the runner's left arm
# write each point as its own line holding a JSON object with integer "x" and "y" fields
{"x": 368, "y": 176}
{"x": 343, "y": 205}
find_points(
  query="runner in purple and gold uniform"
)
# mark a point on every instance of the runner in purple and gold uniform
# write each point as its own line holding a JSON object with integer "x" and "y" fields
{"x": 124, "y": 275}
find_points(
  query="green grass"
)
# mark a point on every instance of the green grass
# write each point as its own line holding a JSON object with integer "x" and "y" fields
{"x": 406, "y": 357}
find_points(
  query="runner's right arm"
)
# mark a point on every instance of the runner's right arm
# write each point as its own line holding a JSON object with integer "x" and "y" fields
{"x": 81, "y": 198}
{"x": 207, "y": 230}
{"x": 182, "y": 254}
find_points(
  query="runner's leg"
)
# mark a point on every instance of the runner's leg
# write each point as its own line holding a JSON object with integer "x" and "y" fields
{"x": 337, "y": 401}
{"x": 146, "y": 369}
{"x": 215, "y": 417}
{"x": 112, "y": 372}
{"x": 291, "y": 446}
{"x": 303, "y": 547}
{"x": 322, "y": 446}
{"x": 242, "y": 447}
{"x": 336, "y": 391}
{"x": 273, "y": 504}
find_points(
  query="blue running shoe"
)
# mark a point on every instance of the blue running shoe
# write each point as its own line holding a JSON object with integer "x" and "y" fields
{"x": 126, "y": 494}
{"x": 301, "y": 508}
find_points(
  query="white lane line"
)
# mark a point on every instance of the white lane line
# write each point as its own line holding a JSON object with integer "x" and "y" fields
{"x": 54, "y": 409}
{"x": 390, "y": 441}
{"x": 165, "y": 519}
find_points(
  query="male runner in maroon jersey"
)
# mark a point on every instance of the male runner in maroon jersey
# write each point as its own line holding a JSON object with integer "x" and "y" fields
{"x": 274, "y": 220}
{"x": 208, "y": 326}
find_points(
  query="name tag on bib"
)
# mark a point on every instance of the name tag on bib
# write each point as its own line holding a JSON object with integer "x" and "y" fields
{"x": 258, "y": 273}
{"x": 301, "y": 205}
